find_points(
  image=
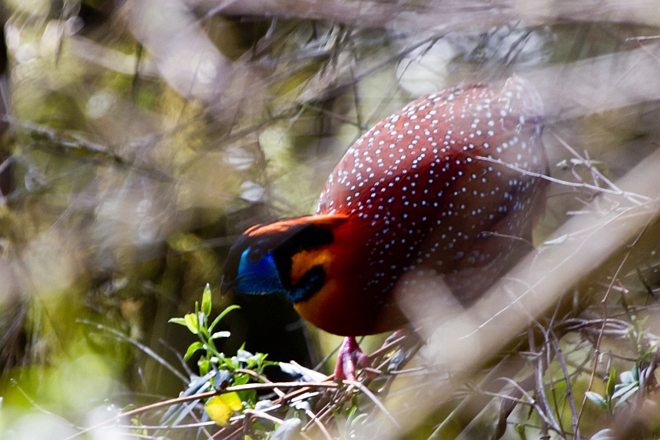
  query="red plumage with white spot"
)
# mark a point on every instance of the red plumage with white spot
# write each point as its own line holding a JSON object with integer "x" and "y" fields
{"x": 418, "y": 196}
{"x": 448, "y": 187}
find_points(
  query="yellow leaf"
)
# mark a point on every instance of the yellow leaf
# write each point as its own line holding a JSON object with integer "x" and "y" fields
{"x": 232, "y": 400}
{"x": 218, "y": 410}
{"x": 221, "y": 407}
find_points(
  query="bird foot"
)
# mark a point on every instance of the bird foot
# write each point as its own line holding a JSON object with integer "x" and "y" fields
{"x": 349, "y": 356}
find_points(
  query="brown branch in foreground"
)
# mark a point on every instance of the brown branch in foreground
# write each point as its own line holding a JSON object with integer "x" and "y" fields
{"x": 209, "y": 394}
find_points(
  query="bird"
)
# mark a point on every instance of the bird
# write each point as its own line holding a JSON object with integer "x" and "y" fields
{"x": 449, "y": 186}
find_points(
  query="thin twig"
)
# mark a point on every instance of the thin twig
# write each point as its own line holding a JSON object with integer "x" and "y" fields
{"x": 318, "y": 423}
{"x": 261, "y": 415}
{"x": 628, "y": 195}
{"x": 543, "y": 408}
{"x": 137, "y": 344}
{"x": 532, "y": 401}
{"x": 593, "y": 169}
{"x": 155, "y": 427}
{"x": 378, "y": 403}
{"x": 569, "y": 386}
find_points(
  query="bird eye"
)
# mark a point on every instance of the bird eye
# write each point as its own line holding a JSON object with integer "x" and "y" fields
{"x": 255, "y": 255}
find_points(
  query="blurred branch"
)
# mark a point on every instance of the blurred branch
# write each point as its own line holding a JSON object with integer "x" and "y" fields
{"x": 535, "y": 285}
{"x": 599, "y": 84}
{"x": 182, "y": 51}
{"x": 439, "y": 15}
{"x": 196, "y": 69}
{"x": 109, "y": 58}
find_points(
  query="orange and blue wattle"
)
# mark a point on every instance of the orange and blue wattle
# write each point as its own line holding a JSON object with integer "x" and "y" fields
{"x": 449, "y": 186}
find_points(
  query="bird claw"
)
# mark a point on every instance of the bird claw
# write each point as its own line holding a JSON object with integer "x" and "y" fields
{"x": 349, "y": 356}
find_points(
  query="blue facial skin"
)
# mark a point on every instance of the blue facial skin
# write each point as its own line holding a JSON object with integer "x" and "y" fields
{"x": 259, "y": 276}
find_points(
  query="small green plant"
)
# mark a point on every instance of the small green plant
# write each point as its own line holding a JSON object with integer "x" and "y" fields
{"x": 630, "y": 382}
{"x": 217, "y": 371}
{"x": 198, "y": 324}
{"x": 352, "y": 417}
{"x": 616, "y": 392}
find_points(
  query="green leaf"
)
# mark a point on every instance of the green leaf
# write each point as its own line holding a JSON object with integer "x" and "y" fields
{"x": 625, "y": 397}
{"x": 222, "y": 315}
{"x": 624, "y": 389}
{"x": 206, "y": 300}
{"x": 241, "y": 379}
{"x": 288, "y": 429}
{"x": 204, "y": 366}
{"x": 179, "y": 321}
{"x": 218, "y": 335}
{"x": 248, "y": 395}
{"x": 597, "y": 399}
{"x": 629, "y": 376}
{"x": 650, "y": 350}
{"x": 635, "y": 372}
{"x": 192, "y": 349}
{"x": 605, "y": 434}
{"x": 192, "y": 323}
{"x": 611, "y": 382}
{"x": 243, "y": 355}
{"x": 201, "y": 323}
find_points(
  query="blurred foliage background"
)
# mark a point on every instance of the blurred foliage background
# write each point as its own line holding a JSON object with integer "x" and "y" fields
{"x": 139, "y": 138}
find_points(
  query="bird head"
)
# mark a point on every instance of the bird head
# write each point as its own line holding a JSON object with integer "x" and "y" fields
{"x": 289, "y": 256}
